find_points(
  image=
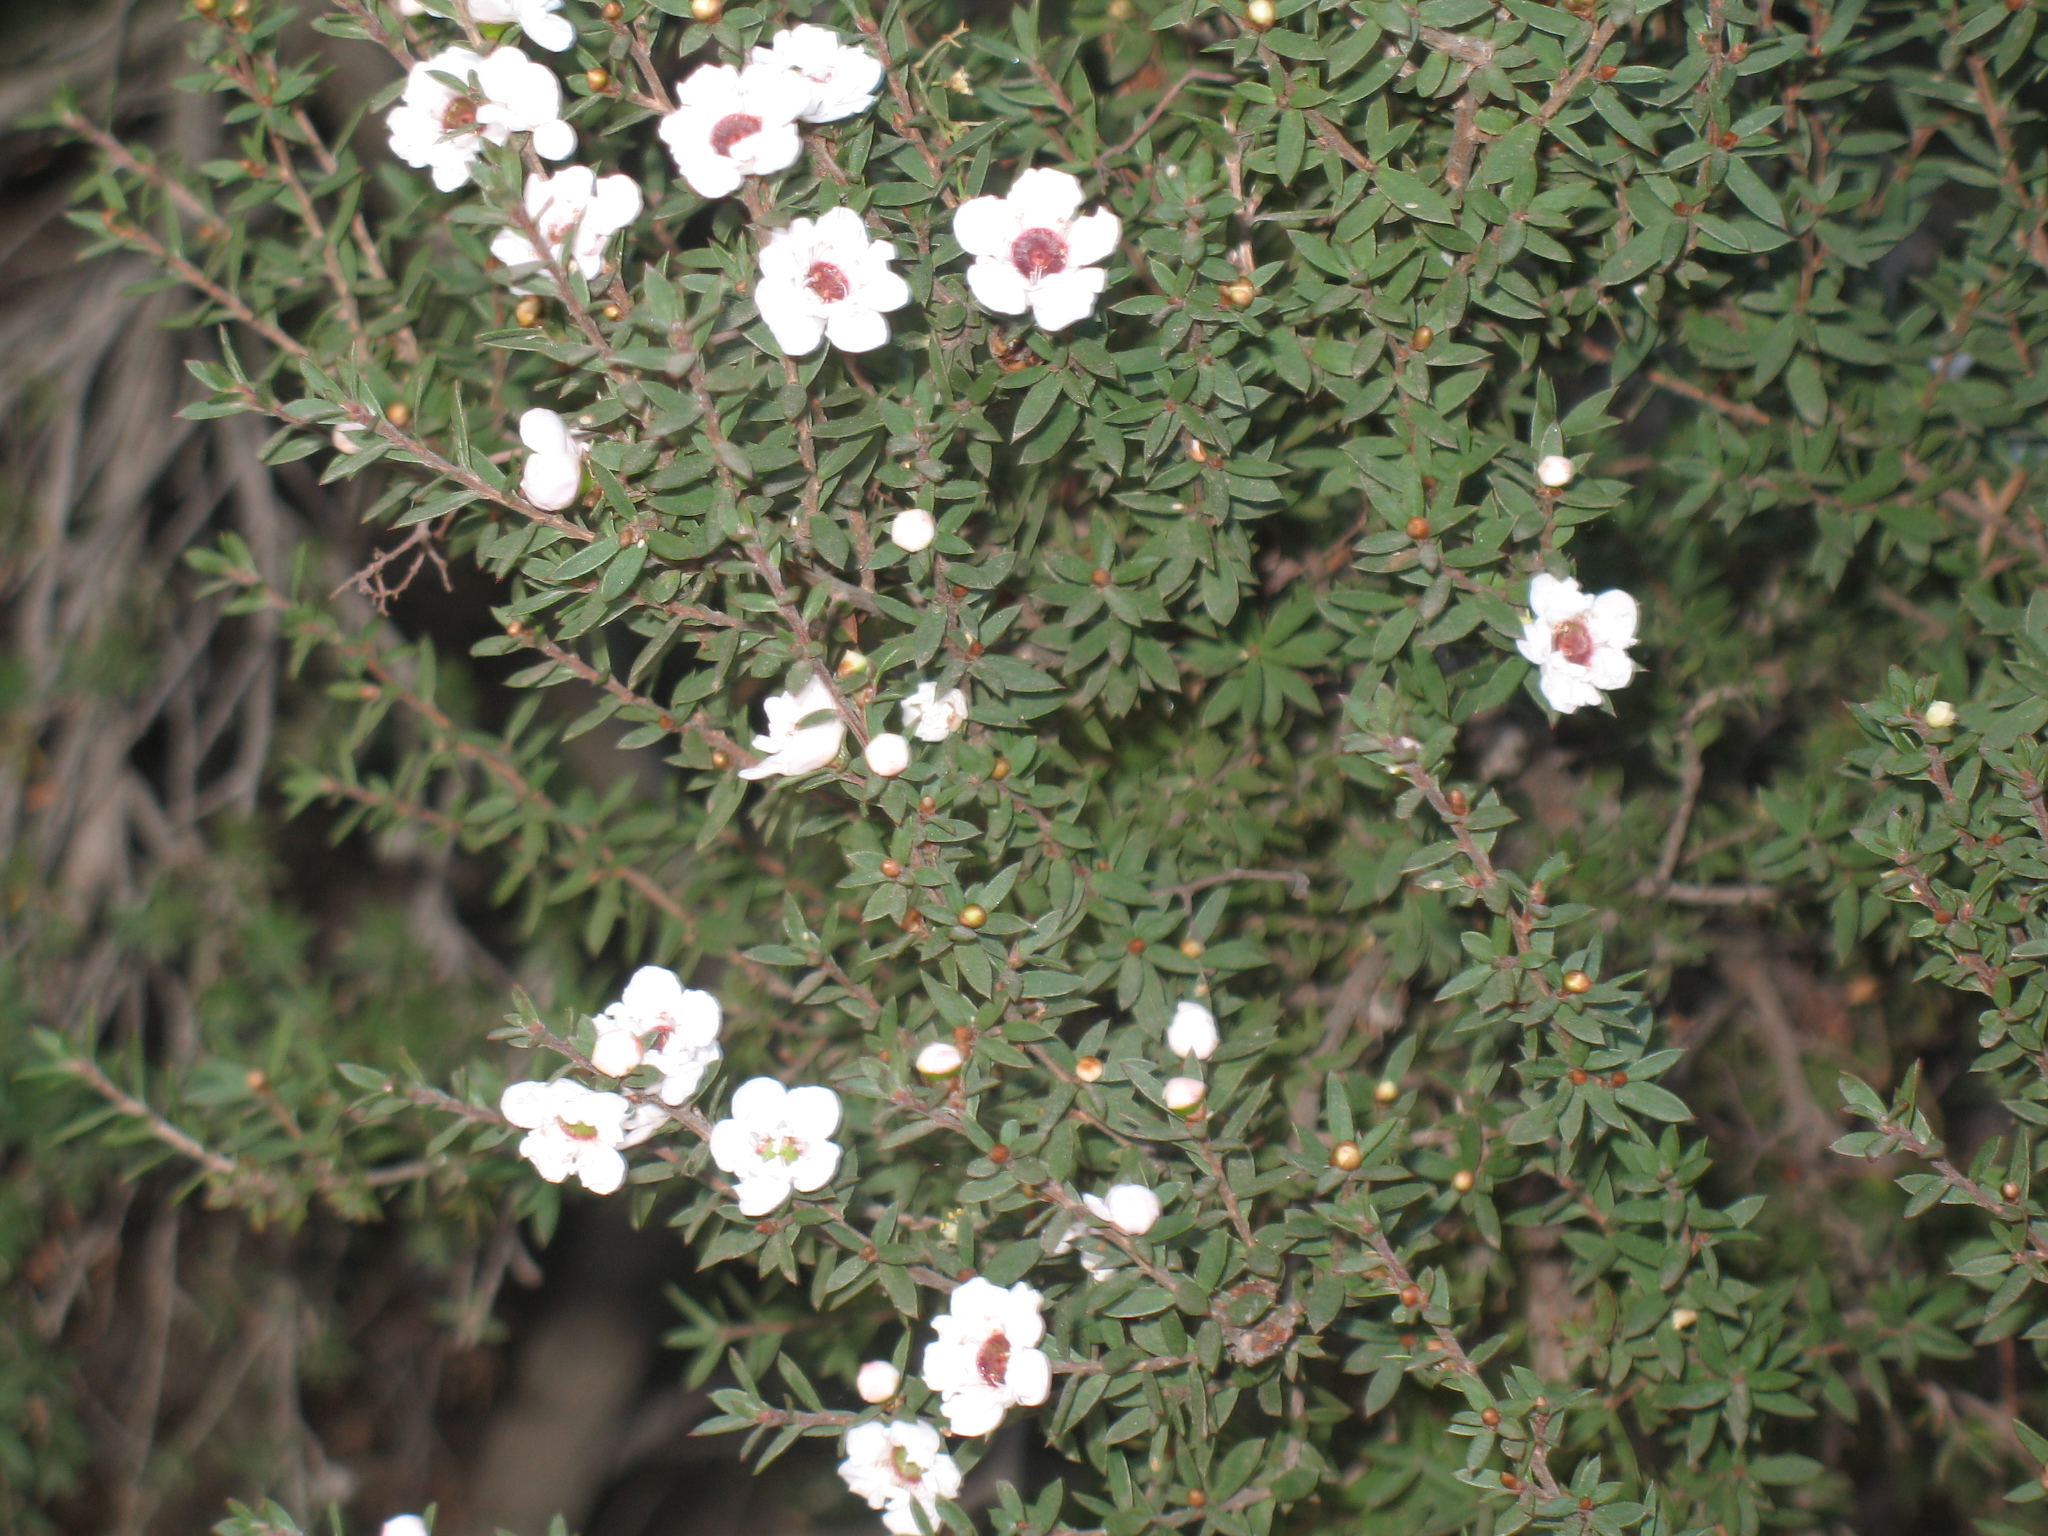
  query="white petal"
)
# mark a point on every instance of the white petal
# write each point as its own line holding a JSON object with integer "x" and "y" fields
{"x": 987, "y": 226}
{"x": 527, "y": 1104}
{"x": 544, "y": 431}
{"x": 1611, "y": 667}
{"x": 761, "y": 1193}
{"x": 601, "y": 1169}
{"x": 616, "y": 1052}
{"x": 1043, "y": 198}
{"x": 1535, "y": 641}
{"x": 681, "y": 1083}
{"x": 798, "y": 333}
{"x": 1066, "y": 298}
{"x": 1568, "y": 688}
{"x": 758, "y": 1104}
{"x": 814, "y": 1169}
{"x": 1093, "y": 238}
{"x": 884, "y": 291}
{"x": 553, "y": 1157}
{"x": 811, "y": 1112}
{"x": 1613, "y": 621}
{"x": 1030, "y": 1376}
{"x": 732, "y": 1147}
{"x": 855, "y": 328}
{"x": 1554, "y": 601}
{"x": 974, "y": 1412}
{"x": 551, "y": 482}
{"x": 554, "y": 140}
{"x": 546, "y": 30}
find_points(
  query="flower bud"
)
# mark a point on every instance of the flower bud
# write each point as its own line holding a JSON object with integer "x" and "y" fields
{"x": 398, "y": 413}
{"x": 404, "y": 1525}
{"x": 1192, "y": 1032}
{"x": 1463, "y": 1180}
{"x": 912, "y": 529}
{"x": 528, "y": 310}
{"x": 598, "y": 79}
{"x": 1184, "y": 1095}
{"x": 1385, "y": 1091}
{"x": 1941, "y": 714}
{"x": 1347, "y": 1156}
{"x": 710, "y": 12}
{"x": 878, "y": 1381}
{"x": 1132, "y": 1208}
{"x": 1418, "y": 528}
{"x": 939, "y": 1059}
{"x": 1238, "y": 293}
{"x": 1260, "y": 15}
{"x": 617, "y": 1052}
{"x": 1554, "y": 471}
{"x": 1089, "y": 1069}
{"x": 344, "y": 437}
{"x": 1683, "y": 1318}
{"x": 1576, "y": 982}
{"x": 888, "y": 754}
{"x": 853, "y": 663}
{"x": 973, "y": 915}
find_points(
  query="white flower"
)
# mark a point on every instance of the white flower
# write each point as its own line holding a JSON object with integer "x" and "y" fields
{"x": 934, "y": 716}
{"x": 1941, "y": 714}
{"x": 729, "y": 125}
{"x": 895, "y": 1466}
{"x": 842, "y": 80}
{"x": 1184, "y": 1095}
{"x": 554, "y": 465}
{"x": 570, "y": 1129}
{"x": 536, "y": 18}
{"x": 1032, "y": 252}
{"x": 1129, "y": 1208}
{"x": 824, "y": 280}
{"x": 1579, "y": 642}
{"x": 1192, "y": 1032}
{"x": 437, "y": 126}
{"x": 656, "y": 1021}
{"x": 404, "y": 1525}
{"x": 576, "y": 212}
{"x": 939, "y": 1059}
{"x": 1555, "y": 471}
{"x": 888, "y": 754}
{"x": 1098, "y": 1266}
{"x": 877, "y": 1381}
{"x": 793, "y": 747}
{"x": 913, "y": 529}
{"x": 777, "y": 1141}
{"x": 986, "y": 1357}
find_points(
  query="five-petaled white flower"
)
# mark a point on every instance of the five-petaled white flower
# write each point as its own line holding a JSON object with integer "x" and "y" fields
{"x": 1032, "y": 252}
{"x": 895, "y": 1466}
{"x": 576, "y": 212}
{"x": 986, "y": 1358}
{"x": 793, "y": 747}
{"x": 777, "y": 1140}
{"x": 842, "y": 80}
{"x": 1130, "y": 1208}
{"x": 824, "y": 280}
{"x": 438, "y": 126}
{"x": 657, "y": 1022}
{"x": 554, "y": 464}
{"x": 571, "y": 1129}
{"x": 933, "y": 716}
{"x": 1192, "y": 1032}
{"x": 1578, "y": 641}
{"x": 730, "y": 124}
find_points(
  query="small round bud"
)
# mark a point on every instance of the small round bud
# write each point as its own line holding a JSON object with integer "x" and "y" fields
{"x": 1418, "y": 528}
{"x": 1420, "y": 338}
{"x": 720, "y": 758}
{"x": 1184, "y": 1095}
{"x": 1099, "y": 576}
{"x": 1198, "y": 450}
{"x": 1089, "y": 1069}
{"x": 255, "y": 1079}
{"x": 1576, "y": 982}
{"x": 612, "y": 10}
{"x": 1554, "y": 471}
{"x": 1618, "y": 1080}
{"x": 999, "y": 1154}
{"x": 1192, "y": 1032}
{"x": 852, "y": 664}
{"x": 1385, "y": 1091}
{"x": 206, "y": 7}
{"x": 1130, "y": 1208}
{"x": 609, "y": 311}
{"x": 598, "y": 79}
{"x": 939, "y": 1060}
{"x": 1192, "y": 948}
{"x": 999, "y": 770}
{"x": 878, "y": 1381}
{"x": 1578, "y": 1077}
{"x": 1237, "y": 294}
{"x": 1456, "y": 800}
{"x": 913, "y": 529}
{"x": 1346, "y": 1156}
{"x": 1197, "y": 1499}
{"x": 398, "y": 413}
{"x": 1411, "y": 1295}
{"x": 1260, "y": 15}
{"x": 926, "y": 805}
{"x": 888, "y": 754}
{"x": 973, "y": 915}
{"x": 1683, "y": 1318}
{"x": 1941, "y": 715}
{"x": 710, "y": 12}
{"x": 2009, "y": 1190}
{"x": 528, "y": 310}
{"x": 1463, "y": 1180}
{"x": 343, "y": 437}
{"x": 1512, "y": 1483}
{"x": 1490, "y": 1417}
{"x": 1136, "y": 946}
{"x": 891, "y": 868}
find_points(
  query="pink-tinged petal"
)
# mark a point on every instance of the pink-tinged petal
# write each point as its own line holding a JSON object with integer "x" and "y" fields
{"x": 732, "y": 1146}
{"x": 815, "y": 1168}
{"x": 1030, "y": 1376}
{"x": 855, "y": 328}
{"x": 998, "y": 286}
{"x": 1093, "y": 238}
{"x": 1066, "y": 298}
{"x": 761, "y": 1193}
{"x": 1614, "y": 619}
{"x": 1611, "y": 667}
{"x": 1044, "y": 199}
{"x": 757, "y": 1103}
{"x": 812, "y": 1113}
{"x": 601, "y": 1169}
{"x": 987, "y": 226}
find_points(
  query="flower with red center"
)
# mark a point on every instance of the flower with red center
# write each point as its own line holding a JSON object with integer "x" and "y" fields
{"x": 458, "y": 101}
{"x": 575, "y": 211}
{"x": 730, "y": 124}
{"x": 824, "y": 280}
{"x": 896, "y": 1466}
{"x": 1034, "y": 250}
{"x": 986, "y": 1358}
{"x": 1578, "y": 642}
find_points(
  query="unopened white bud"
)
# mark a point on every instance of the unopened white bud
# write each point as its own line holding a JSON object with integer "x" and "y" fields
{"x": 617, "y": 1052}
{"x": 1184, "y": 1095}
{"x": 1132, "y": 1208}
{"x": 939, "y": 1059}
{"x": 1941, "y": 714}
{"x": 344, "y": 440}
{"x": 1555, "y": 471}
{"x": 1683, "y": 1318}
{"x": 878, "y": 1381}
{"x": 888, "y": 754}
{"x": 404, "y": 1525}
{"x": 1192, "y": 1032}
{"x": 913, "y": 530}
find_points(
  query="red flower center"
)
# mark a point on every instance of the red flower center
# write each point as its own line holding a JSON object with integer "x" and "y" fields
{"x": 992, "y": 1361}
{"x": 730, "y": 130}
{"x": 460, "y": 114}
{"x": 827, "y": 282}
{"x": 1573, "y": 640}
{"x": 1038, "y": 253}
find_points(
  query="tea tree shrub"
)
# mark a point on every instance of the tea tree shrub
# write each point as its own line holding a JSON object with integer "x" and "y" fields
{"x": 1086, "y": 506}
